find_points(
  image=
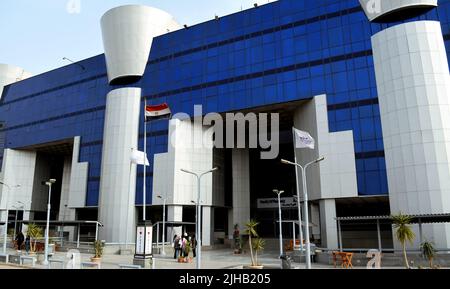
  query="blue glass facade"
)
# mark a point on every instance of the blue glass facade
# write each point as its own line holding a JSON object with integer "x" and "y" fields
{"x": 284, "y": 51}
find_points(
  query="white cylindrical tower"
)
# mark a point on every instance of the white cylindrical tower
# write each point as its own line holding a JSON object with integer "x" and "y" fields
{"x": 413, "y": 84}
{"x": 395, "y": 10}
{"x": 118, "y": 175}
{"x": 10, "y": 74}
{"x": 128, "y": 32}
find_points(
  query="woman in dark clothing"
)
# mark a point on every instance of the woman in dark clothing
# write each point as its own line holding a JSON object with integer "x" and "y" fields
{"x": 19, "y": 240}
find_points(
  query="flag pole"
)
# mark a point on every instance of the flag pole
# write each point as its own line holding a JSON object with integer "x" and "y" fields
{"x": 298, "y": 193}
{"x": 144, "y": 190}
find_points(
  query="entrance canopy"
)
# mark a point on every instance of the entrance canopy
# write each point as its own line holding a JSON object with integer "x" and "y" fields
{"x": 378, "y": 220}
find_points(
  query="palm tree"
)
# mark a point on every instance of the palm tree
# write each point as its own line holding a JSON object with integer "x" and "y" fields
{"x": 35, "y": 232}
{"x": 404, "y": 233}
{"x": 258, "y": 245}
{"x": 251, "y": 231}
{"x": 428, "y": 251}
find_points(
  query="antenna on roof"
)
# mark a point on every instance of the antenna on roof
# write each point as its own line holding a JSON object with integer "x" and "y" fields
{"x": 73, "y": 62}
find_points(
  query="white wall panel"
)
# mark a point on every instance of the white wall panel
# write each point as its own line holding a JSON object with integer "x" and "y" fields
{"x": 335, "y": 177}
{"x": 78, "y": 179}
{"x": 18, "y": 169}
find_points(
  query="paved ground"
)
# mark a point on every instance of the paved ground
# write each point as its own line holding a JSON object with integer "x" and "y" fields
{"x": 217, "y": 259}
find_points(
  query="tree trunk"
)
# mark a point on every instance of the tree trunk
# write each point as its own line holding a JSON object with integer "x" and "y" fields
{"x": 251, "y": 249}
{"x": 431, "y": 263}
{"x": 405, "y": 255}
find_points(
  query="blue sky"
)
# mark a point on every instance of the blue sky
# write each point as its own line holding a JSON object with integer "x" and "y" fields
{"x": 37, "y": 34}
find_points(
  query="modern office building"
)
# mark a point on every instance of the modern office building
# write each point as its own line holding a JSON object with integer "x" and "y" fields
{"x": 368, "y": 79}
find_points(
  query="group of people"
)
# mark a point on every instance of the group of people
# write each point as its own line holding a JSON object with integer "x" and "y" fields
{"x": 20, "y": 240}
{"x": 181, "y": 242}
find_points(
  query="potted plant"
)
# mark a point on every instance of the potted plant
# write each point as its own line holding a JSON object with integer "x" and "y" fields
{"x": 403, "y": 233}
{"x": 428, "y": 252}
{"x": 187, "y": 251}
{"x": 252, "y": 233}
{"x": 98, "y": 250}
{"x": 35, "y": 232}
{"x": 258, "y": 246}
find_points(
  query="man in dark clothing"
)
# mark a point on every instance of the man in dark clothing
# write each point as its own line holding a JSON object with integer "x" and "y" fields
{"x": 19, "y": 241}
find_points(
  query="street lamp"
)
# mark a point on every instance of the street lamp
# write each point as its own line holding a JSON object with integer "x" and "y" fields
{"x": 280, "y": 221}
{"x": 305, "y": 204}
{"x": 198, "y": 212}
{"x": 164, "y": 226}
{"x": 5, "y": 233}
{"x": 48, "y": 183}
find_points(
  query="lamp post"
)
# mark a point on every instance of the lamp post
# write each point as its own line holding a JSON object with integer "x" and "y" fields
{"x": 305, "y": 203}
{"x": 280, "y": 220}
{"x": 164, "y": 226}
{"x": 49, "y": 183}
{"x": 5, "y": 233}
{"x": 198, "y": 212}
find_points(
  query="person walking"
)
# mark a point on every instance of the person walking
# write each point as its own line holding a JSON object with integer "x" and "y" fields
{"x": 194, "y": 245}
{"x": 176, "y": 246}
{"x": 183, "y": 245}
{"x": 27, "y": 244}
{"x": 19, "y": 241}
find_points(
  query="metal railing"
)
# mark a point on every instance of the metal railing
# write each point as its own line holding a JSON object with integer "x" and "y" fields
{"x": 364, "y": 250}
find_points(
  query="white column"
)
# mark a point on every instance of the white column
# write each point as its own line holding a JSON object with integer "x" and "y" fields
{"x": 414, "y": 93}
{"x": 174, "y": 214}
{"x": 208, "y": 226}
{"x": 118, "y": 175}
{"x": 65, "y": 212}
{"x": 241, "y": 187}
{"x": 329, "y": 235}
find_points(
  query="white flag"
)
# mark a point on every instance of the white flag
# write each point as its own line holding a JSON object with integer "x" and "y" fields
{"x": 303, "y": 139}
{"x": 139, "y": 158}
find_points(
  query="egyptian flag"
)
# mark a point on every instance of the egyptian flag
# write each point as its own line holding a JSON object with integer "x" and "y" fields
{"x": 153, "y": 112}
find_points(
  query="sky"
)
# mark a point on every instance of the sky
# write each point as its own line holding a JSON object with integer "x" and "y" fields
{"x": 37, "y": 34}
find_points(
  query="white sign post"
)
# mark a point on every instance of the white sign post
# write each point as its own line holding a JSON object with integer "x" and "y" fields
{"x": 144, "y": 245}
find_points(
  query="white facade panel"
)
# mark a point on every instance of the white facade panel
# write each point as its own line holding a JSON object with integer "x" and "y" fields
{"x": 118, "y": 175}
{"x": 188, "y": 153}
{"x": 335, "y": 177}
{"x": 78, "y": 179}
{"x": 18, "y": 169}
{"x": 414, "y": 110}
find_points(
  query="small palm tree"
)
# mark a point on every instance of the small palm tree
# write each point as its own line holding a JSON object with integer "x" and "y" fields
{"x": 251, "y": 231}
{"x": 35, "y": 232}
{"x": 403, "y": 233}
{"x": 428, "y": 251}
{"x": 258, "y": 245}
{"x": 98, "y": 249}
